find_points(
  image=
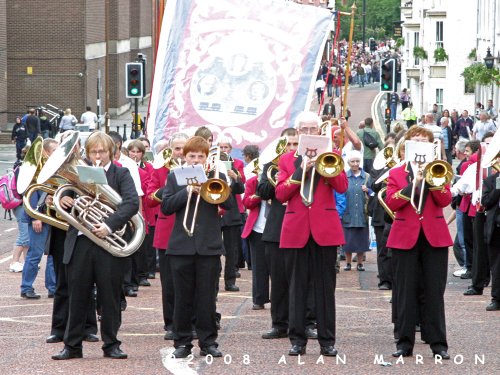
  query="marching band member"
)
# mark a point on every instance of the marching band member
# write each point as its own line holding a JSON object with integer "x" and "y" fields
{"x": 164, "y": 226}
{"x": 419, "y": 244}
{"x": 310, "y": 234}
{"x": 254, "y": 227}
{"x": 87, "y": 263}
{"x": 194, "y": 260}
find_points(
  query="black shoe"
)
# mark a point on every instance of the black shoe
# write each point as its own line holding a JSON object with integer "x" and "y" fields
{"x": 135, "y": 288}
{"x": 360, "y": 267}
{"x": 342, "y": 257}
{"x": 144, "y": 282}
{"x": 151, "y": 275}
{"x": 274, "y": 334}
{"x": 402, "y": 352}
{"x": 442, "y": 353}
{"x": 50, "y": 295}
{"x": 466, "y": 275}
{"x": 473, "y": 292}
{"x": 384, "y": 286}
{"x": 115, "y": 353}
{"x": 258, "y": 307}
{"x": 493, "y": 306}
{"x": 232, "y": 288}
{"x": 210, "y": 350}
{"x": 169, "y": 335}
{"x": 237, "y": 274}
{"x": 52, "y": 339}
{"x": 123, "y": 306}
{"x": 297, "y": 350}
{"x": 347, "y": 267}
{"x": 311, "y": 333}
{"x": 130, "y": 293}
{"x": 182, "y": 352}
{"x": 30, "y": 295}
{"x": 91, "y": 338}
{"x": 329, "y": 351}
{"x": 67, "y": 354}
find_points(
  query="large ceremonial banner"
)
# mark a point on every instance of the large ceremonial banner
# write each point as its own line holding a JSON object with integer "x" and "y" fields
{"x": 244, "y": 69}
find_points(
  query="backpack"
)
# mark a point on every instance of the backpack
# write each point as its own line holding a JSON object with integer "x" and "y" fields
{"x": 369, "y": 140}
{"x": 9, "y": 197}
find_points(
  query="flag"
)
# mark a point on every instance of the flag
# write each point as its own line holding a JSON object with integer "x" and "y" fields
{"x": 243, "y": 69}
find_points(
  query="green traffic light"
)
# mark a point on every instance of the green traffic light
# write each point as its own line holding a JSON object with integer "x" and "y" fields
{"x": 134, "y": 91}
{"x": 386, "y": 86}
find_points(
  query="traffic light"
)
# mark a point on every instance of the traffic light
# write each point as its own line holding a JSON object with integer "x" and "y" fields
{"x": 388, "y": 113}
{"x": 134, "y": 80}
{"x": 388, "y": 75}
{"x": 373, "y": 45}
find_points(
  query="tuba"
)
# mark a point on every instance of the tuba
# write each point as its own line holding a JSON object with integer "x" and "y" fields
{"x": 94, "y": 203}
{"x": 28, "y": 173}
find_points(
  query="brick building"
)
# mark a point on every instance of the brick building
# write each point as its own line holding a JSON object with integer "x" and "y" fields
{"x": 52, "y": 51}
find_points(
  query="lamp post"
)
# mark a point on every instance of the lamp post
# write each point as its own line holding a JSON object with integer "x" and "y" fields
{"x": 489, "y": 61}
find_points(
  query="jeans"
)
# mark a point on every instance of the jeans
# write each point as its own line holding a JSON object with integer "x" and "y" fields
{"x": 20, "y": 144}
{"x": 33, "y": 258}
{"x": 460, "y": 232}
{"x": 394, "y": 108}
{"x": 23, "y": 236}
{"x": 45, "y": 134}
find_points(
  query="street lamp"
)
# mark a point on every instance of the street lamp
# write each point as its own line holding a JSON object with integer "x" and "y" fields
{"x": 489, "y": 60}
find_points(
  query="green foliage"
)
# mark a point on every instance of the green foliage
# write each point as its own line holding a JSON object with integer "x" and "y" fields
{"x": 420, "y": 53}
{"x": 479, "y": 73}
{"x": 400, "y": 42}
{"x": 440, "y": 54}
{"x": 472, "y": 54}
{"x": 380, "y": 15}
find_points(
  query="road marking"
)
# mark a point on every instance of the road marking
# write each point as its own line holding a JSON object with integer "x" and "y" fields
{"x": 176, "y": 366}
{"x": 5, "y": 259}
{"x": 10, "y": 229}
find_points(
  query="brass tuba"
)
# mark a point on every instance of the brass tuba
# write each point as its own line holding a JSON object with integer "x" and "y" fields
{"x": 30, "y": 168}
{"x": 94, "y": 203}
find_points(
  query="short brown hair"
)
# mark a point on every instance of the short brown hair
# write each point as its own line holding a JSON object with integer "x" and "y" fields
{"x": 416, "y": 130}
{"x": 100, "y": 138}
{"x": 136, "y": 144}
{"x": 203, "y": 132}
{"x": 196, "y": 144}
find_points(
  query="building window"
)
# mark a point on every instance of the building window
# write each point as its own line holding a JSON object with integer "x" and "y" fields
{"x": 439, "y": 34}
{"x": 439, "y": 99}
{"x": 416, "y": 43}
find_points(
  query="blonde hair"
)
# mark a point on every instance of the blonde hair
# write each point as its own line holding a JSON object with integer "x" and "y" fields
{"x": 99, "y": 138}
{"x": 67, "y": 111}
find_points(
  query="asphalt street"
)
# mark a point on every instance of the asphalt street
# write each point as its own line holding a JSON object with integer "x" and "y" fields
{"x": 364, "y": 329}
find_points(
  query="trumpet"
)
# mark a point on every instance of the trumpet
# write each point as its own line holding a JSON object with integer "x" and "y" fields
{"x": 213, "y": 191}
{"x": 327, "y": 164}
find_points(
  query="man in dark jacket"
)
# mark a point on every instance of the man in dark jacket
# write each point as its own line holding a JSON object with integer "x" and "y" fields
{"x": 33, "y": 125}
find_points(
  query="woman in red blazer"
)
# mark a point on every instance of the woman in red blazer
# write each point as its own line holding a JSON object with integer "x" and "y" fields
{"x": 419, "y": 244}
{"x": 254, "y": 227}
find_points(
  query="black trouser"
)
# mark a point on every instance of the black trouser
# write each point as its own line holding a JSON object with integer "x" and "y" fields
{"x": 383, "y": 256}
{"x": 425, "y": 267}
{"x": 60, "y": 308}
{"x": 260, "y": 273}
{"x": 150, "y": 251}
{"x": 468, "y": 240}
{"x": 167, "y": 290}
{"x": 494, "y": 257}
{"x": 91, "y": 264}
{"x": 480, "y": 264}
{"x": 194, "y": 278}
{"x": 458, "y": 252}
{"x": 279, "y": 285}
{"x": 367, "y": 165}
{"x": 232, "y": 237}
{"x": 140, "y": 257}
{"x": 316, "y": 263}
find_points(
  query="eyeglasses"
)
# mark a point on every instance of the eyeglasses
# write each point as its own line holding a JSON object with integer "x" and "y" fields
{"x": 100, "y": 152}
{"x": 309, "y": 130}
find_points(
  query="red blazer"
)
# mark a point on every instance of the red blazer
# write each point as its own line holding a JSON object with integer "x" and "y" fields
{"x": 407, "y": 223}
{"x": 239, "y": 166}
{"x": 149, "y": 212}
{"x": 252, "y": 203}
{"x": 164, "y": 224}
{"x": 319, "y": 219}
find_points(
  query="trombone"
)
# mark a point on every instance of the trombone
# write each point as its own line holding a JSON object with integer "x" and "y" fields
{"x": 436, "y": 174}
{"x": 213, "y": 191}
